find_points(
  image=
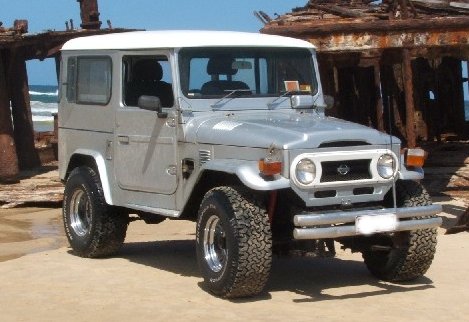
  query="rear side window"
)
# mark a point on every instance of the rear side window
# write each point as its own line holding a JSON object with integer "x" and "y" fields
{"x": 89, "y": 80}
{"x": 71, "y": 79}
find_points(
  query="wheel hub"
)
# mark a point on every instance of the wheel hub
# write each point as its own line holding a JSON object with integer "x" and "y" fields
{"x": 80, "y": 213}
{"x": 215, "y": 251}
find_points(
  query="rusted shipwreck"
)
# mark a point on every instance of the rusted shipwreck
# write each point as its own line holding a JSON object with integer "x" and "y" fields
{"x": 17, "y": 148}
{"x": 395, "y": 65}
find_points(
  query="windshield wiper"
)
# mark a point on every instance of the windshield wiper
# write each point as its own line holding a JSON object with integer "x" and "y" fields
{"x": 230, "y": 93}
{"x": 270, "y": 105}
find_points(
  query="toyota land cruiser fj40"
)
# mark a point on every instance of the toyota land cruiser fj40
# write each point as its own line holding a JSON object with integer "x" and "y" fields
{"x": 229, "y": 130}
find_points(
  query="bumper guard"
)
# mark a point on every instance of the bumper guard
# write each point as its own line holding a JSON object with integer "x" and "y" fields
{"x": 342, "y": 223}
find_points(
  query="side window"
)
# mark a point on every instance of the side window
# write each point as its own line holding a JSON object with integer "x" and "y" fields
{"x": 93, "y": 85}
{"x": 71, "y": 79}
{"x": 147, "y": 75}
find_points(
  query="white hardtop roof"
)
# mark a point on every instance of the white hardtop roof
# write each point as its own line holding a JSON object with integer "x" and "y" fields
{"x": 181, "y": 38}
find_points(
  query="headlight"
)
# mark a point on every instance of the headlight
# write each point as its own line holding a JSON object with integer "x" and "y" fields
{"x": 386, "y": 166}
{"x": 305, "y": 171}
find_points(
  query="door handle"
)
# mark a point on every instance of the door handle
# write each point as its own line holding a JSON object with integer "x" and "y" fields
{"x": 123, "y": 139}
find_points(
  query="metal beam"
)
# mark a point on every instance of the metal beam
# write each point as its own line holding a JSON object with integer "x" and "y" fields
{"x": 409, "y": 97}
{"x": 8, "y": 159}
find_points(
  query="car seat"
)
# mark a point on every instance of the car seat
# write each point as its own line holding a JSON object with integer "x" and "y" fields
{"x": 146, "y": 80}
{"x": 221, "y": 65}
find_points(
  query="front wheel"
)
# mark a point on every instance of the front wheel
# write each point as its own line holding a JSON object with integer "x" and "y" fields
{"x": 234, "y": 243}
{"x": 92, "y": 229}
{"x": 411, "y": 253}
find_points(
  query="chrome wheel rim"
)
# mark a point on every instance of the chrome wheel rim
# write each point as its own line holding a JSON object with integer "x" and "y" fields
{"x": 80, "y": 213}
{"x": 215, "y": 251}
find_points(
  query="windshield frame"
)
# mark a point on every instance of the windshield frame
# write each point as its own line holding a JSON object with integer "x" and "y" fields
{"x": 256, "y": 99}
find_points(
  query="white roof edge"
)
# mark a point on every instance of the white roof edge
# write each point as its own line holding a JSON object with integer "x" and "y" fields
{"x": 181, "y": 38}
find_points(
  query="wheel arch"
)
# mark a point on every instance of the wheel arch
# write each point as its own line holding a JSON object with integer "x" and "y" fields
{"x": 96, "y": 161}
{"x": 207, "y": 180}
{"x": 247, "y": 173}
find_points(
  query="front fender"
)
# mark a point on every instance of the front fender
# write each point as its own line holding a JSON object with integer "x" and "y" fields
{"x": 248, "y": 173}
{"x": 415, "y": 174}
{"x": 406, "y": 174}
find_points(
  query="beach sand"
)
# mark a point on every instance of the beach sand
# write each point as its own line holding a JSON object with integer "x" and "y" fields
{"x": 155, "y": 277}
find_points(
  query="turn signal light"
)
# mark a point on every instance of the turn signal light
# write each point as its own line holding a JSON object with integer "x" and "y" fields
{"x": 414, "y": 157}
{"x": 269, "y": 167}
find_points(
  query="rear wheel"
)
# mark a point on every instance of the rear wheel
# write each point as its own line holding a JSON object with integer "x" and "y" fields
{"x": 92, "y": 228}
{"x": 234, "y": 243}
{"x": 411, "y": 253}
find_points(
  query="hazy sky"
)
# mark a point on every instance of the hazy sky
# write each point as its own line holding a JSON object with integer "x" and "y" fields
{"x": 141, "y": 14}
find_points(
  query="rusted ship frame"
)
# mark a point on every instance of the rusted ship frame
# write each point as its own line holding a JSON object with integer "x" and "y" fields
{"x": 17, "y": 149}
{"x": 399, "y": 58}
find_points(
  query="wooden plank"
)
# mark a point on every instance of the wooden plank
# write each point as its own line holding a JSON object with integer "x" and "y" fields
{"x": 41, "y": 185}
{"x": 459, "y": 5}
{"x": 336, "y": 10}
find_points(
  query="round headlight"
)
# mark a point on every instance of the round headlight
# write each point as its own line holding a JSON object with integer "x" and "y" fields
{"x": 386, "y": 166}
{"x": 305, "y": 171}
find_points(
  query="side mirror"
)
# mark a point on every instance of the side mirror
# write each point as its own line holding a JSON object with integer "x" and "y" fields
{"x": 301, "y": 101}
{"x": 329, "y": 101}
{"x": 151, "y": 103}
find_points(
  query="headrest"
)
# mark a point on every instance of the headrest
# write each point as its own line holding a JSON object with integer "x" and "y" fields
{"x": 147, "y": 70}
{"x": 221, "y": 65}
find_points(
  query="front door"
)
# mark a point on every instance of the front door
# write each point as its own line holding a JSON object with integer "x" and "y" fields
{"x": 145, "y": 145}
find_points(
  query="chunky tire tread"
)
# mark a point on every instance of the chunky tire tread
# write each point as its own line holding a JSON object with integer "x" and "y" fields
{"x": 249, "y": 222}
{"x": 109, "y": 227}
{"x": 412, "y": 261}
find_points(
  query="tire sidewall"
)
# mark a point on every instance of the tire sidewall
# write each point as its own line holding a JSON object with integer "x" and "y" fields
{"x": 217, "y": 204}
{"x": 80, "y": 179}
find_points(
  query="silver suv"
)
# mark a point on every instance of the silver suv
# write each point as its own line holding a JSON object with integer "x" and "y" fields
{"x": 228, "y": 129}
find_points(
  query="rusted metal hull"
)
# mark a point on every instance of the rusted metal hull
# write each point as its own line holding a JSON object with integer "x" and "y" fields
{"x": 393, "y": 96}
{"x": 8, "y": 160}
{"x": 17, "y": 138}
{"x": 379, "y": 35}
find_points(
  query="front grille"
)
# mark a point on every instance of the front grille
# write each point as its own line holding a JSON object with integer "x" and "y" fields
{"x": 347, "y": 170}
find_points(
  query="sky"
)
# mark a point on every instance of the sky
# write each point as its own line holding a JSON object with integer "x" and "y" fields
{"x": 139, "y": 14}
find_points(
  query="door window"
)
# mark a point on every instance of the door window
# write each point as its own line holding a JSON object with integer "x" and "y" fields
{"x": 147, "y": 75}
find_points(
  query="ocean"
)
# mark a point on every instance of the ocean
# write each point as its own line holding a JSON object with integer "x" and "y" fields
{"x": 44, "y": 103}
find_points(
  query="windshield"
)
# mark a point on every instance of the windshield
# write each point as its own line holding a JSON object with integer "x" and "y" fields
{"x": 251, "y": 72}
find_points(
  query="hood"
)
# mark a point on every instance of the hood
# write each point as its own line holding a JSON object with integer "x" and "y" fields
{"x": 284, "y": 129}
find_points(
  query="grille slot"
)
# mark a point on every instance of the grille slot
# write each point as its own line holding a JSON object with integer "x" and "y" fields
{"x": 341, "y": 144}
{"x": 204, "y": 156}
{"x": 325, "y": 194}
{"x": 346, "y": 170}
{"x": 363, "y": 191}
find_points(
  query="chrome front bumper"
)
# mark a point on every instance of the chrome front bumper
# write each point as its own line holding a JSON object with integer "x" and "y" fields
{"x": 342, "y": 223}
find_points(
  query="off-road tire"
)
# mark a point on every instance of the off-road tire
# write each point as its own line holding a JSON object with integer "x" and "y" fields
{"x": 93, "y": 228}
{"x": 247, "y": 239}
{"x": 413, "y": 255}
